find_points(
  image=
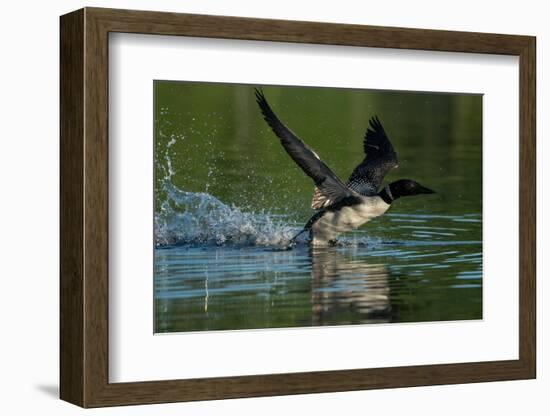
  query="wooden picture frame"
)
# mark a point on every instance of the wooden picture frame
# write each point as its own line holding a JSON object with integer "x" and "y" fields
{"x": 84, "y": 207}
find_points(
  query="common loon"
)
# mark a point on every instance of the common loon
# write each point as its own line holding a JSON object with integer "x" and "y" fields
{"x": 344, "y": 207}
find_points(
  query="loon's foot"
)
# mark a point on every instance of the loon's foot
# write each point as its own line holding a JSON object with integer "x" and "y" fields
{"x": 292, "y": 241}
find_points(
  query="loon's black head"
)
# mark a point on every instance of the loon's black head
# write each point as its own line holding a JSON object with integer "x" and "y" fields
{"x": 403, "y": 187}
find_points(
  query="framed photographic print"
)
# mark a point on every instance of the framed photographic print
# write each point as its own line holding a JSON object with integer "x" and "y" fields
{"x": 256, "y": 207}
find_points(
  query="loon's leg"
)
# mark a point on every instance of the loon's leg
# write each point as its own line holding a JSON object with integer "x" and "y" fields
{"x": 293, "y": 239}
{"x": 308, "y": 226}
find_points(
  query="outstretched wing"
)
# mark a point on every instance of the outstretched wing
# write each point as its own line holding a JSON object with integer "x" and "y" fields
{"x": 379, "y": 160}
{"x": 325, "y": 180}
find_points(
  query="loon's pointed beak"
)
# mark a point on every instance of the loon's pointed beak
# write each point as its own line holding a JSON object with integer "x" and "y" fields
{"x": 424, "y": 190}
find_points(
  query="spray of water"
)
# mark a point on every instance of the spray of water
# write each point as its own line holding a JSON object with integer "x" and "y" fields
{"x": 198, "y": 218}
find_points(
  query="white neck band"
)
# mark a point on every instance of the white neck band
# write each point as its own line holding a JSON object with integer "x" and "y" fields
{"x": 388, "y": 191}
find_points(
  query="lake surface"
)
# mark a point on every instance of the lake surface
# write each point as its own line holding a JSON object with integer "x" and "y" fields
{"x": 228, "y": 199}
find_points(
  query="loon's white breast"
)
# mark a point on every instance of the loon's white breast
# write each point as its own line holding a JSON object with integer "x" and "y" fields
{"x": 333, "y": 223}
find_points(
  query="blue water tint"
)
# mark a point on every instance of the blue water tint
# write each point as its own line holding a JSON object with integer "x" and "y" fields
{"x": 240, "y": 273}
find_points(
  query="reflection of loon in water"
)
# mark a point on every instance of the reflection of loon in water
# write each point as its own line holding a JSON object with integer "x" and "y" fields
{"x": 344, "y": 207}
{"x": 367, "y": 299}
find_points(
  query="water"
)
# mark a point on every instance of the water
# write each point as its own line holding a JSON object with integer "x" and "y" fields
{"x": 228, "y": 200}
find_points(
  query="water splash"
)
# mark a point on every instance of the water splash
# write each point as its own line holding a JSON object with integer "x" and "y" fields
{"x": 188, "y": 218}
{"x": 199, "y": 218}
